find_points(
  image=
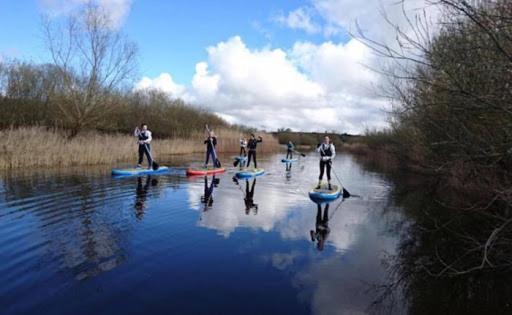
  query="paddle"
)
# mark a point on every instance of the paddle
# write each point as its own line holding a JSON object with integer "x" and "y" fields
{"x": 301, "y": 154}
{"x": 346, "y": 194}
{"x": 154, "y": 164}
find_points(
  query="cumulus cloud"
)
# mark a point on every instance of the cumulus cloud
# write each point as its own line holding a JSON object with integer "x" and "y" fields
{"x": 116, "y": 10}
{"x": 299, "y": 19}
{"x": 165, "y": 83}
{"x": 314, "y": 87}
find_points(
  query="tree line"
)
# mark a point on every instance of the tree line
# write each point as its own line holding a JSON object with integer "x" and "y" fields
{"x": 87, "y": 84}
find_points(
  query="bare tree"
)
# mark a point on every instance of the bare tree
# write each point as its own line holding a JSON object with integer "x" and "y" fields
{"x": 94, "y": 61}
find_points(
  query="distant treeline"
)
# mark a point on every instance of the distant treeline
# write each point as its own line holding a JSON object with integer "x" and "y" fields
{"x": 29, "y": 99}
{"x": 311, "y": 138}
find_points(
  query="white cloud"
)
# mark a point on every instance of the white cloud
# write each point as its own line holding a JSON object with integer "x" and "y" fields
{"x": 299, "y": 19}
{"x": 371, "y": 16}
{"x": 116, "y": 10}
{"x": 310, "y": 87}
{"x": 165, "y": 83}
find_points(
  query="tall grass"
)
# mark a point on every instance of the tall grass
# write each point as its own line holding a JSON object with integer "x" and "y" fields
{"x": 27, "y": 147}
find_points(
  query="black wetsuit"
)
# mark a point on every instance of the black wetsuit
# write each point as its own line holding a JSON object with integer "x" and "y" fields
{"x": 251, "y": 145}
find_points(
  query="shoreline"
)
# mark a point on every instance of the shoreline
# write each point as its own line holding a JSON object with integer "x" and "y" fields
{"x": 37, "y": 147}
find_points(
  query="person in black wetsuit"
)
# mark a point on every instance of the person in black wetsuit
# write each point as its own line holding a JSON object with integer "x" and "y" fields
{"x": 327, "y": 153}
{"x": 248, "y": 199}
{"x": 322, "y": 229}
{"x": 251, "y": 145}
{"x": 144, "y": 138}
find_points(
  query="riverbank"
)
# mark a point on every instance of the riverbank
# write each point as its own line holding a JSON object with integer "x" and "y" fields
{"x": 42, "y": 147}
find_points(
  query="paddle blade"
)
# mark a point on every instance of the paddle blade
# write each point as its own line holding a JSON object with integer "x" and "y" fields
{"x": 217, "y": 163}
{"x": 155, "y": 165}
{"x": 346, "y": 194}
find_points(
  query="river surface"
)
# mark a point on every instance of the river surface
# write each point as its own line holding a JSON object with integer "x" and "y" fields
{"x": 78, "y": 241}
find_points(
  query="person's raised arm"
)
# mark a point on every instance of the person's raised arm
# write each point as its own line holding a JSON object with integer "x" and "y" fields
{"x": 136, "y": 132}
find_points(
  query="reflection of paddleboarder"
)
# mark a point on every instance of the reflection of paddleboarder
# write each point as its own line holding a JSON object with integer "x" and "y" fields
{"x": 249, "y": 195}
{"x": 322, "y": 229}
{"x": 207, "y": 198}
{"x": 141, "y": 195}
{"x": 288, "y": 171}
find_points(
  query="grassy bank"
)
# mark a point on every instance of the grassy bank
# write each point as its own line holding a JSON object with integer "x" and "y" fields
{"x": 41, "y": 147}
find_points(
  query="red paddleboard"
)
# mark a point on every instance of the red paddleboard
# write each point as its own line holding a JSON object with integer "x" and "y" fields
{"x": 205, "y": 171}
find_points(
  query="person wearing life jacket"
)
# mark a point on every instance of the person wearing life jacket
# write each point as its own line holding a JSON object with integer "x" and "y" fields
{"x": 243, "y": 147}
{"x": 144, "y": 139}
{"x": 211, "y": 142}
{"x": 327, "y": 153}
{"x": 290, "y": 147}
{"x": 251, "y": 145}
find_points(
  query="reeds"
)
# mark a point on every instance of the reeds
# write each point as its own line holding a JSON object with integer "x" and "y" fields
{"x": 27, "y": 147}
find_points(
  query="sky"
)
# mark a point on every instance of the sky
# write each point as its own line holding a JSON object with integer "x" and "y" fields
{"x": 267, "y": 64}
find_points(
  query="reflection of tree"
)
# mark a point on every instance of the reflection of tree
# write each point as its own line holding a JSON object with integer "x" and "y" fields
{"x": 322, "y": 229}
{"x": 450, "y": 261}
{"x": 249, "y": 197}
{"x": 141, "y": 195}
{"x": 78, "y": 214}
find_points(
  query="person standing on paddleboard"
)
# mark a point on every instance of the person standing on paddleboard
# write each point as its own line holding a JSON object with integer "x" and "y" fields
{"x": 289, "y": 152}
{"x": 211, "y": 142}
{"x": 251, "y": 145}
{"x": 327, "y": 153}
{"x": 144, "y": 140}
{"x": 243, "y": 147}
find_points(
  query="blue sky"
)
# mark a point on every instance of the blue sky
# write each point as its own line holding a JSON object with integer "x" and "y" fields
{"x": 268, "y": 63}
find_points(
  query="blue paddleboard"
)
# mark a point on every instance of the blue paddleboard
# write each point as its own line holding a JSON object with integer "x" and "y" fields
{"x": 246, "y": 173}
{"x": 138, "y": 171}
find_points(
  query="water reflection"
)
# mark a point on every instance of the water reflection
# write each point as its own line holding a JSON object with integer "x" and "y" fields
{"x": 61, "y": 229}
{"x": 207, "y": 197}
{"x": 322, "y": 229}
{"x": 141, "y": 195}
{"x": 288, "y": 169}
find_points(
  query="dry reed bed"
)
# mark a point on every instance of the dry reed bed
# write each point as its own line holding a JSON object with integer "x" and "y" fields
{"x": 40, "y": 147}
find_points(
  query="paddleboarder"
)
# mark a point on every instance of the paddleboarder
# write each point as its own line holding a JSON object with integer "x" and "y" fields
{"x": 290, "y": 147}
{"x": 251, "y": 145}
{"x": 243, "y": 147}
{"x": 211, "y": 142}
{"x": 144, "y": 140}
{"x": 327, "y": 153}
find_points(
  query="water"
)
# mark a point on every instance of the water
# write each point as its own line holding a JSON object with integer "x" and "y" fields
{"x": 81, "y": 242}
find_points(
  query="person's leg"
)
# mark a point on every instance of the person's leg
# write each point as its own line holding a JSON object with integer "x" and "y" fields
{"x": 207, "y": 157}
{"x": 322, "y": 165}
{"x": 251, "y": 156}
{"x": 141, "y": 155}
{"x": 255, "y": 162}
